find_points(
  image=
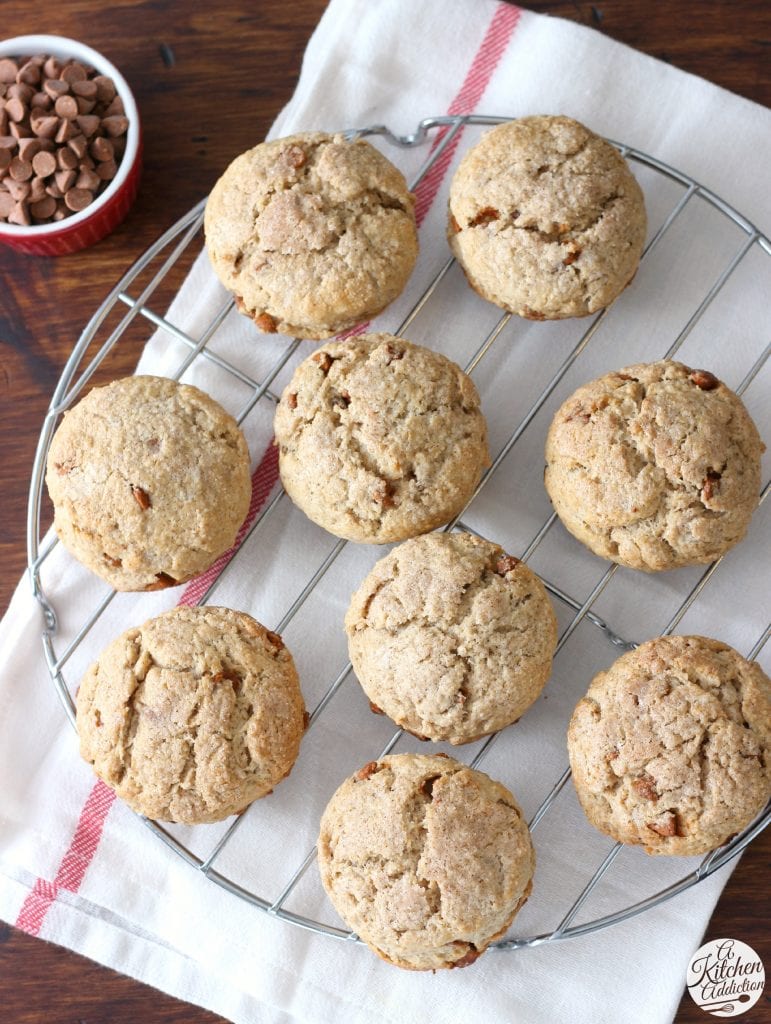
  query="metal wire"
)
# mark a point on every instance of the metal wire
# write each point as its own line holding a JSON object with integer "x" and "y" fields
{"x": 181, "y": 236}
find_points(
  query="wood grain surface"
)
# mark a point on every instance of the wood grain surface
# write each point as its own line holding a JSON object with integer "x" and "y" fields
{"x": 209, "y": 79}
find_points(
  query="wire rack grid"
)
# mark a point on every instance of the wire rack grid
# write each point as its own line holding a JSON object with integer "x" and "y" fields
{"x": 167, "y": 252}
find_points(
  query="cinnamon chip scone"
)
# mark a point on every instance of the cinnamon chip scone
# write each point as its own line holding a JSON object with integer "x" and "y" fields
{"x": 425, "y": 859}
{"x": 150, "y": 482}
{"x": 654, "y": 467}
{"x": 546, "y": 218}
{"x": 380, "y": 439}
{"x": 312, "y": 233}
{"x": 670, "y": 746}
{"x": 192, "y": 716}
{"x": 451, "y": 637}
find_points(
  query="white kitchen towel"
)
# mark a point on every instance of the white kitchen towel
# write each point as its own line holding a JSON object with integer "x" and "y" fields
{"x": 77, "y": 868}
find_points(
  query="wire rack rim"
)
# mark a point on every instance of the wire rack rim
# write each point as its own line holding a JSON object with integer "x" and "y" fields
{"x": 188, "y": 227}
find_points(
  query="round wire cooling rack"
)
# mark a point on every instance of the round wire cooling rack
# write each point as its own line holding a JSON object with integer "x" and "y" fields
{"x": 443, "y": 134}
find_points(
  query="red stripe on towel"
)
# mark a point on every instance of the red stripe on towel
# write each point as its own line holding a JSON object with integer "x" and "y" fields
{"x": 74, "y": 863}
{"x": 88, "y": 831}
{"x": 263, "y": 481}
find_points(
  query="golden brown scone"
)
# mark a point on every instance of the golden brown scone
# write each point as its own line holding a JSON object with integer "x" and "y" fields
{"x": 425, "y": 859}
{"x": 451, "y": 637}
{"x": 654, "y": 467}
{"x": 380, "y": 439}
{"x": 670, "y": 746}
{"x": 546, "y": 218}
{"x": 312, "y": 233}
{"x": 149, "y": 480}
{"x": 192, "y": 716}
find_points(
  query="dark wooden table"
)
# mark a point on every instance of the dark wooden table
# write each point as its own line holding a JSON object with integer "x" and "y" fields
{"x": 209, "y": 79}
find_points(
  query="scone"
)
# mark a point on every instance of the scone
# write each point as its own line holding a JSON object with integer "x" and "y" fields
{"x": 379, "y": 439}
{"x": 192, "y": 716}
{"x": 670, "y": 746}
{"x": 425, "y": 859}
{"x": 312, "y": 233}
{"x": 149, "y": 480}
{"x": 546, "y": 218}
{"x": 655, "y": 467}
{"x": 451, "y": 637}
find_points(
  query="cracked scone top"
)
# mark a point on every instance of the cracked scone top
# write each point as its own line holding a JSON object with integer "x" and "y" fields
{"x": 655, "y": 466}
{"x": 312, "y": 233}
{"x": 425, "y": 859}
{"x": 670, "y": 746}
{"x": 451, "y": 637}
{"x": 150, "y": 482}
{"x": 380, "y": 439}
{"x": 192, "y": 716}
{"x": 546, "y": 218}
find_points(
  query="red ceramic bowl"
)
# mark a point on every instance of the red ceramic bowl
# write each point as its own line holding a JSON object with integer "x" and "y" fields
{"x": 108, "y": 209}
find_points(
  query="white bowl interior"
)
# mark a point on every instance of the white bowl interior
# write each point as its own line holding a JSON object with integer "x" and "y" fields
{"x": 64, "y": 49}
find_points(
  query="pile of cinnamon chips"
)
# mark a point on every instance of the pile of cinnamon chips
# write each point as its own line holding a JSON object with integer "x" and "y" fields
{"x": 62, "y": 135}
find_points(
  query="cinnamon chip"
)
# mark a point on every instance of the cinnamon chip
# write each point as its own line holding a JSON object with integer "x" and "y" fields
{"x": 64, "y": 180}
{"x": 89, "y": 123}
{"x": 55, "y": 88}
{"x": 17, "y": 189}
{"x": 44, "y": 209}
{"x": 385, "y": 494}
{"x": 88, "y": 179}
{"x": 105, "y": 88}
{"x": 85, "y": 88}
{"x": 106, "y": 171}
{"x": 645, "y": 786}
{"x": 8, "y": 70}
{"x": 14, "y": 108}
{"x": 115, "y": 125}
{"x": 37, "y": 190}
{"x": 163, "y": 580}
{"x": 266, "y": 323}
{"x": 66, "y": 106}
{"x": 274, "y": 639}
{"x": 78, "y": 145}
{"x": 369, "y": 769}
{"x": 20, "y": 170}
{"x": 73, "y": 72}
{"x": 667, "y": 826}
{"x": 64, "y": 132}
{"x": 485, "y": 216}
{"x": 505, "y": 564}
{"x": 294, "y": 155}
{"x": 67, "y": 159}
{"x": 101, "y": 149}
{"x": 44, "y": 164}
{"x": 142, "y": 498}
{"x": 324, "y": 359}
{"x": 41, "y": 101}
{"x": 45, "y": 127}
{"x": 393, "y": 354}
{"x": 704, "y": 379}
{"x": 472, "y": 955}
{"x": 20, "y": 215}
